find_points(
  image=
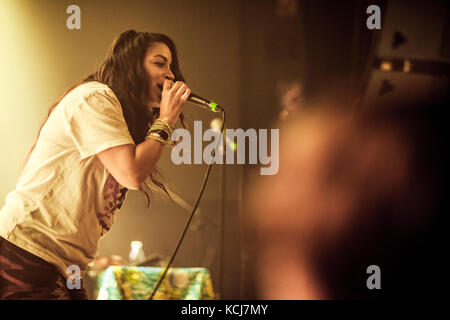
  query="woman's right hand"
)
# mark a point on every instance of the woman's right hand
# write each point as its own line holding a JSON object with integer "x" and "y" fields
{"x": 172, "y": 100}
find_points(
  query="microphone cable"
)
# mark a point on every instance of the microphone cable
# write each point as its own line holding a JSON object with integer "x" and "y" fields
{"x": 205, "y": 179}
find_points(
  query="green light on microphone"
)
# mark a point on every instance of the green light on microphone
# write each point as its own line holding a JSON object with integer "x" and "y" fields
{"x": 213, "y": 106}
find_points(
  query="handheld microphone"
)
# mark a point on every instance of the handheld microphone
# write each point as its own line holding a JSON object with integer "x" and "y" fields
{"x": 204, "y": 103}
{"x": 201, "y": 102}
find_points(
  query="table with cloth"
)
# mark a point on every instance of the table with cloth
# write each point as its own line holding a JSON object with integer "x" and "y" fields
{"x": 137, "y": 283}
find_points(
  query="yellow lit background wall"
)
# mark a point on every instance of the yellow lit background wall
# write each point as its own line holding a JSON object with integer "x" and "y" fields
{"x": 26, "y": 79}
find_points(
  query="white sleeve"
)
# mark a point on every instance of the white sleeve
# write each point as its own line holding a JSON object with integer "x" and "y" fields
{"x": 97, "y": 124}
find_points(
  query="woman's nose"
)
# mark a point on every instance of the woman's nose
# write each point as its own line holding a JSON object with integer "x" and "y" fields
{"x": 169, "y": 75}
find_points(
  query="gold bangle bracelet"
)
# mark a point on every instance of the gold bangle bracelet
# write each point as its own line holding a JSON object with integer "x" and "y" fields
{"x": 163, "y": 123}
{"x": 159, "y": 132}
{"x": 159, "y": 125}
{"x": 156, "y": 137}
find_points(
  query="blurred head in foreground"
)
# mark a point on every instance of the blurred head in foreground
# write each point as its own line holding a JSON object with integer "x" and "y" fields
{"x": 354, "y": 189}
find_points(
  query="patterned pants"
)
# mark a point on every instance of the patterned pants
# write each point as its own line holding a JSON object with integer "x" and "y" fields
{"x": 24, "y": 276}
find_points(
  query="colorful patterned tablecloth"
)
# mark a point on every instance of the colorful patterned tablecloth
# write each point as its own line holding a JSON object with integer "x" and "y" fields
{"x": 137, "y": 283}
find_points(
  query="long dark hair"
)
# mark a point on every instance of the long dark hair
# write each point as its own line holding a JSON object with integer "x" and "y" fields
{"x": 123, "y": 71}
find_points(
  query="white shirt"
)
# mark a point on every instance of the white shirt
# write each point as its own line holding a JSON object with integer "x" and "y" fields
{"x": 66, "y": 200}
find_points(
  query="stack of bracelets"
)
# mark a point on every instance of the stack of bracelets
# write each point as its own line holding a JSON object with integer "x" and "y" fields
{"x": 160, "y": 131}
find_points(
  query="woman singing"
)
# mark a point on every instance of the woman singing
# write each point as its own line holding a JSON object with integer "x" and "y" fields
{"x": 104, "y": 136}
